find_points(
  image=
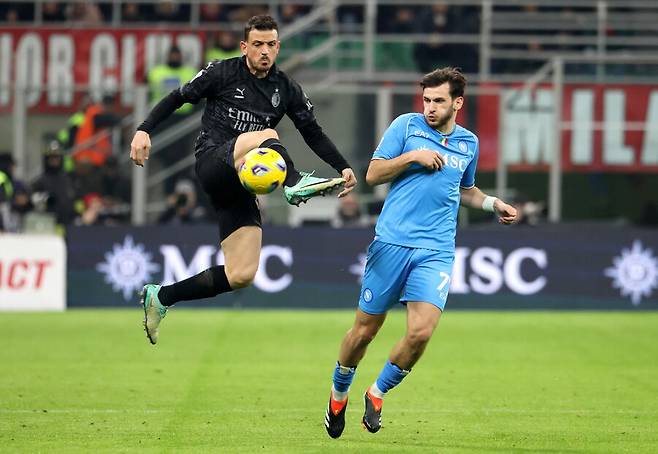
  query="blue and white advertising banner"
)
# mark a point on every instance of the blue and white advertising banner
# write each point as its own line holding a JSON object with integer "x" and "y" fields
{"x": 552, "y": 267}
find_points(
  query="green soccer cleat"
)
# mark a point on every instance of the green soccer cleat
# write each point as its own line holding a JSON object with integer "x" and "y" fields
{"x": 154, "y": 311}
{"x": 309, "y": 186}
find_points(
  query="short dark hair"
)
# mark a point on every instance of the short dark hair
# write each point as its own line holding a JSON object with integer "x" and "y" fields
{"x": 261, "y": 22}
{"x": 448, "y": 74}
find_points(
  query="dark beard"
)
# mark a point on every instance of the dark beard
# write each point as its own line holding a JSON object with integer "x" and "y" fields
{"x": 445, "y": 119}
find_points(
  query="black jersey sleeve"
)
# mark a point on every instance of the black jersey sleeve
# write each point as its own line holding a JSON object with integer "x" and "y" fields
{"x": 322, "y": 146}
{"x": 206, "y": 82}
{"x": 300, "y": 108}
{"x": 162, "y": 110}
{"x": 300, "y": 111}
{"x": 202, "y": 85}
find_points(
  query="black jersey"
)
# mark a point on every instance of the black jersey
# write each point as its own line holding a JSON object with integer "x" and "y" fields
{"x": 237, "y": 101}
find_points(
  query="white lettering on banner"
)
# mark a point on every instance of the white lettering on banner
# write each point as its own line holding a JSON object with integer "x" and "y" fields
{"x": 490, "y": 270}
{"x": 6, "y": 59}
{"x": 262, "y": 281}
{"x": 614, "y": 150}
{"x": 458, "y": 281}
{"x": 60, "y": 70}
{"x": 582, "y": 136}
{"x": 32, "y": 272}
{"x": 650, "y": 147}
{"x": 128, "y": 58}
{"x": 112, "y": 61}
{"x": 512, "y": 270}
{"x": 486, "y": 263}
{"x": 29, "y": 66}
{"x": 529, "y": 126}
{"x": 102, "y": 66}
{"x": 175, "y": 268}
{"x": 190, "y": 47}
{"x": 157, "y": 45}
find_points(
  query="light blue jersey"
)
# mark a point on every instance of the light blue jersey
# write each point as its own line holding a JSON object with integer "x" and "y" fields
{"x": 421, "y": 207}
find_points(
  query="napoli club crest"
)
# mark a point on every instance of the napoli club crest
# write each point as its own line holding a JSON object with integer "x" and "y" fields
{"x": 276, "y": 98}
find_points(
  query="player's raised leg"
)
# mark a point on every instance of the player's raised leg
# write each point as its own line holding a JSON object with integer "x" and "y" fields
{"x": 422, "y": 318}
{"x": 298, "y": 186}
{"x": 241, "y": 257}
{"x": 352, "y": 349}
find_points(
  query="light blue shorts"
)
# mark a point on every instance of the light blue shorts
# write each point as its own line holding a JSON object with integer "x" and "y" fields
{"x": 397, "y": 274}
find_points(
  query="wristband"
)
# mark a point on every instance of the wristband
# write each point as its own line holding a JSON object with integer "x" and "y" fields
{"x": 488, "y": 203}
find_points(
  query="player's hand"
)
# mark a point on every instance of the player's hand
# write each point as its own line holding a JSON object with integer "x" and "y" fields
{"x": 350, "y": 182}
{"x": 506, "y": 213}
{"x": 140, "y": 148}
{"x": 429, "y": 159}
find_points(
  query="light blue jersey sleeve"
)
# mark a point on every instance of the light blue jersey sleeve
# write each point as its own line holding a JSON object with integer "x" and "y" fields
{"x": 468, "y": 179}
{"x": 392, "y": 143}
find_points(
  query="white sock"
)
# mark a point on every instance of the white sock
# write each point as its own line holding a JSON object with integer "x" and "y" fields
{"x": 375, "y": 391}
{"x": 339, "y": 396}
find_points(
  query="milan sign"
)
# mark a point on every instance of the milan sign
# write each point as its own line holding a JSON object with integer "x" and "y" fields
{"x": 604, "y": 128}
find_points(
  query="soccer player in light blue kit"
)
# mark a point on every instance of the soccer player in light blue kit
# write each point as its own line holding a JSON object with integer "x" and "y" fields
{"x": 430, "y": 161}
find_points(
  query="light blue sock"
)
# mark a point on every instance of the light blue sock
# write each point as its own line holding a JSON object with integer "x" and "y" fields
{"x": 343, "y": 377}
{"x": 390, "y": 376}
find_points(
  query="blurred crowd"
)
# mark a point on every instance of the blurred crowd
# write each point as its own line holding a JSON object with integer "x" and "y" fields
{"x": 85, "y": 183}
{"x": 442, "y": 23}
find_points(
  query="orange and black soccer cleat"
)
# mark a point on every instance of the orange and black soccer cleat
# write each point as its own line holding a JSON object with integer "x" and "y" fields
{"x": 334, "y": 419}
{"x": 372, "y": 417}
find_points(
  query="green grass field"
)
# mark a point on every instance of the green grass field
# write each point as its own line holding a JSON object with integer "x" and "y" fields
{"x": 258, "y": 381}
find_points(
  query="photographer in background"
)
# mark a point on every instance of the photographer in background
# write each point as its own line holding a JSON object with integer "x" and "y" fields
{"x": 182, "y": 207}
{"x": 54, "y": 188}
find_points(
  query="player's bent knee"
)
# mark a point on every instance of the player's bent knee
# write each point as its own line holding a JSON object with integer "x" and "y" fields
{"x": 420, "y": 336}
{"x": 364, "y": 334}
{"x": 270, "y": 133}
{"x": 240, "y": 279}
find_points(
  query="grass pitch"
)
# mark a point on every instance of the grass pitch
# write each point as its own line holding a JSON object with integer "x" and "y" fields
{"x": 258, "y": 381}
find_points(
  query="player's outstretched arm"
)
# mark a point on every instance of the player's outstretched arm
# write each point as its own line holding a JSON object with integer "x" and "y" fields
{"x": 475, "y": 198}
{"x": 384, "y": 170}
{"x": 140, "y": 146}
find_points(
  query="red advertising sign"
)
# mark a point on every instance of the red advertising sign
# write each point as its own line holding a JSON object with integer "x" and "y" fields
{"x": 604, "y": 128}
{"x": 50, "y": 61}
{"x": 32, "y": 273}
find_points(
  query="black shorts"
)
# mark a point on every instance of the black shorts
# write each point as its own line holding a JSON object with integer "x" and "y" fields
{"x": 235, "y": 206}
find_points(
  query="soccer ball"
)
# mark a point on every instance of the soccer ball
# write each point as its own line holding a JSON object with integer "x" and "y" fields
{"x": 263, "y": 171}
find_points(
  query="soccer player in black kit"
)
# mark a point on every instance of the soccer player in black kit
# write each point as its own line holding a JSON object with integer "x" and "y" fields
{"x": 246, "y": 97}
